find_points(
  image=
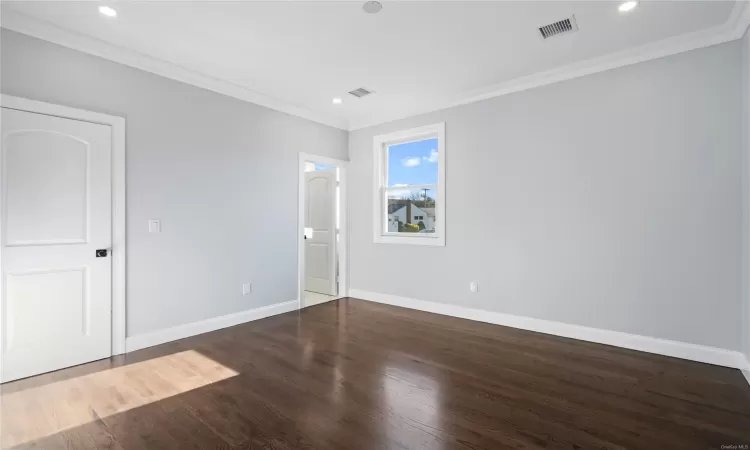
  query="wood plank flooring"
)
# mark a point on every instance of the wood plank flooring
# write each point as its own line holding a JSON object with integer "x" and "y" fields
{"x": 351, "y": 375}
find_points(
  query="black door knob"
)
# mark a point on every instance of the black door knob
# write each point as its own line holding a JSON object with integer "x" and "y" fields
{"x": 101, "y": 252}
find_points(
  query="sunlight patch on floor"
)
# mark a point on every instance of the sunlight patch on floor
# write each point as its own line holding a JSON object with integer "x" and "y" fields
{"x": 314, "y": 298}
{"x": 42, "y": 411}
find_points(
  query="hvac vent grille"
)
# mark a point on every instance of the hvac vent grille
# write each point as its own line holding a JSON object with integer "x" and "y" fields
{"x": 361, "y": 92}
{"x": 564, "y": 26}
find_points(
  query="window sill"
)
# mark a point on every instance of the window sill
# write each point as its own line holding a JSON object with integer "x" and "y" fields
{"x": 435, "y": 241}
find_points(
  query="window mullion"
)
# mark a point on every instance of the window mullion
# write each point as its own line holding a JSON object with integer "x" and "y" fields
{"x": 411, "y": 187}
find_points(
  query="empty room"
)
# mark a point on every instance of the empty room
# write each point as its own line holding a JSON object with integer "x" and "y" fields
{"x": 355, "y": 225}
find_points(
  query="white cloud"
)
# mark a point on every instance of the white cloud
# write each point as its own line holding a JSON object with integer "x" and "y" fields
{"x": 433, "y": 158}
{"x": 410, "y": 162}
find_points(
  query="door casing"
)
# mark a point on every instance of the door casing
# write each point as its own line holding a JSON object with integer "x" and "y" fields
{"x": 117, "y": 125}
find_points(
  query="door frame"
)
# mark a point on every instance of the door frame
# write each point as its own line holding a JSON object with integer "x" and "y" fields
{"x": 117, "y": 125}
{"x": 342, "y": 247}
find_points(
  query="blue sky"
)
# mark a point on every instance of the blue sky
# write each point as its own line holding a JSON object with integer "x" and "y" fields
{"x": 323, "y": 167}
{"x": 413, "y": 163}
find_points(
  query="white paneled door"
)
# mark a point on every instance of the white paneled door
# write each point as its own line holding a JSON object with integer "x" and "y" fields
{"x": 56, "y": 219}
{"x": 320, "y": 232}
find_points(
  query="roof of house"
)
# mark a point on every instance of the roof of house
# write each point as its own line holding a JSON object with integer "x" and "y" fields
{"x": 393, "y": 207}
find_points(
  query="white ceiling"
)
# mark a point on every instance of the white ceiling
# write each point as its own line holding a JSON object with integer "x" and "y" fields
{"x": 416, "y": 56}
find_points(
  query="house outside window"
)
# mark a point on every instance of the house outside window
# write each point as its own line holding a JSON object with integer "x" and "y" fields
{"x": 409, "y": 190}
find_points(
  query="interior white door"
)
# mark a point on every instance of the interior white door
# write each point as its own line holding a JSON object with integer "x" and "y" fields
{"x": 320, "y": 236}
{"x": 56, "y": 213}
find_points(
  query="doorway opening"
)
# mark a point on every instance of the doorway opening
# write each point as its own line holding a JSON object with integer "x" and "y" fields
{"x": 322, "y": 230}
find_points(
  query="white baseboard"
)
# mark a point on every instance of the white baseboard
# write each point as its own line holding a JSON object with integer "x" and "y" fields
{"x": 746, "y": 369}
{"x": 684, "y": 350}
{"x": 140, "y": 341}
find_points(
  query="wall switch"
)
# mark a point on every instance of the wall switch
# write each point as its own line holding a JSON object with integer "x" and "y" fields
{"x": 247, "y": 288}
{"x": 154, "y": 226}
{"x": 474, "y": 286}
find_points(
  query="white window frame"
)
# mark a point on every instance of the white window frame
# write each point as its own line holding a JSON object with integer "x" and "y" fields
{"x": 381, "y": 143}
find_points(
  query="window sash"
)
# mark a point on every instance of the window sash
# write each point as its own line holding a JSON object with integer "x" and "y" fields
{"x": 384, "y": 209}
{"x": 387, "y": 148}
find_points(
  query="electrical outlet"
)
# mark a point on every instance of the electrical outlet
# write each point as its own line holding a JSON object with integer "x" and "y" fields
{"x": 247, "y": 288}
{"x": 474, "y": 286}
{"x": 154, "y": 226}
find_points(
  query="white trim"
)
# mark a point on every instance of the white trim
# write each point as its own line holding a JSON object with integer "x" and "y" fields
{"x": 40, "y": 29}
{"x": 733, "y": 29}
{"x": 379, "y": 144}
{"x": 343, "y": 242}
{"x": 119, "y": 249}
{"x": 684, "y": 350}
{"x": 745, "y": 368}
{"x": 140, "y": 341}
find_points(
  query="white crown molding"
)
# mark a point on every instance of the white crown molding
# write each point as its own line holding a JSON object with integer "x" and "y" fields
{"x": 145, "y": 340}
{"x": 733, "y": 29}
{"x": 683, "y": 350}
{"x": 40, "y": 29}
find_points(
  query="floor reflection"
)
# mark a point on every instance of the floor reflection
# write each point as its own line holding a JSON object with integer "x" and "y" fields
{"x": 354, "y": 375}
{"x": 413, "y": 400}
{"x": 41, "y": 411}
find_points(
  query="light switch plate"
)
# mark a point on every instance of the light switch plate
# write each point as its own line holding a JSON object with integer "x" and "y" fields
{"x": 247, "y": 288}
{"x": 154, "y": 226}
{"x": 474, "y": 286}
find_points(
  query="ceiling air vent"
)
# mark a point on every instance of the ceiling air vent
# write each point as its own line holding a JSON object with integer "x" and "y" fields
{"x": 361, "y": 92}
{"x": 562, "y": 27}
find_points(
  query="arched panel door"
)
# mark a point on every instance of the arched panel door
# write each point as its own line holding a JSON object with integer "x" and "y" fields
{"x": 55, "y": 310}
{"x": 320, "y": 224}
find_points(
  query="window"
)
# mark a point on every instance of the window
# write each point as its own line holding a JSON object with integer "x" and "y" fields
{"x": 409, "y": 191}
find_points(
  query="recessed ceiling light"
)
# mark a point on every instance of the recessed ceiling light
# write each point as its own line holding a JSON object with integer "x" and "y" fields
{"x": 107, "y": 11}
{"x": 372, "y": 7}
{"x": 627, "y": 6}
{"x": 337, "y": 101}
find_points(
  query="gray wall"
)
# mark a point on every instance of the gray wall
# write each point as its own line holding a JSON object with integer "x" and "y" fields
{"x": 220, "y": 173}
{"x": 611, "y": 201}
{"x": 746, "y": 192}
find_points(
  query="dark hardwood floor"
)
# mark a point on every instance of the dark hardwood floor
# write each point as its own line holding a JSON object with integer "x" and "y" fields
{"x": 354, "y": 375}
